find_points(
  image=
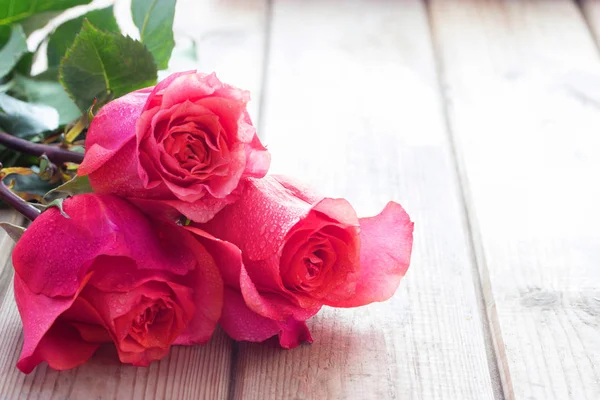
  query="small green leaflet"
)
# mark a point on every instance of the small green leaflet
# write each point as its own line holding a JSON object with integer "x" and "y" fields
{"x": 12, "y": 11}
{"x": 77, "y": 185}
{"x": 62, "y": 38}
{"x": 102, "y": 62}
{"x": 58, "y": 203}
{"x": 31, "y": 184}
{"x": 11, "y": 52}
{"x": 154, "y": 19}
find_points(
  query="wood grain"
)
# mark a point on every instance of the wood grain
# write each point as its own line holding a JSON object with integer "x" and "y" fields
{"x": 520, "y": 80}
{"x": 591, "y": 12}
{"x": 6, "y": 246}
{"x": 352, "y": 106}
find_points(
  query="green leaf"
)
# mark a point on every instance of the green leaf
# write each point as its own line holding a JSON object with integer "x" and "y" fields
{"x": 12, "y": 51}
{"x": 154, "y": 19}
{"x": 62, "y": 38}
{"x": 14, "y": 231}
{"x": 31, "y": 184}
{"x": 12, "y": 11}
{"x": 51, "y": 74}
{"x": 77, "y": 185}
{"x": 99, "y": 63}
{"x": 23, "y": 67}
{"x": 4, "y": 34}
{"x": 25, "y": 119}
{"x": 48, "y": 93}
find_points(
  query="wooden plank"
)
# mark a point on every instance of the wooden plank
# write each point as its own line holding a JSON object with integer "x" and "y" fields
{"x": 230, "y": 39}
{"x": 6, "y": 245}
{"x": 519, "y": 77}
{"x": 591, "y": 12}
{"x": 352, "y": 106}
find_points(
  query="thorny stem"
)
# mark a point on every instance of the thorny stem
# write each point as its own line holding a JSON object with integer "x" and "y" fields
{"x": 54, "y": 153}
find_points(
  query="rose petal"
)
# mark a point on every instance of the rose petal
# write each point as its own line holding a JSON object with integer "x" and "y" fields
{"x": 98, "y": 225}
{"x": 38, "y": 314}
{"x": 241, "y": 323}
{"x": 208, "y": 287}
{"x": 298, "y": 188}
{"x": 258, "y": 158}
{"x": 200, "y": 211}
{"x": 386, "y": 243}
{"x": 193, "y": 87}
{"x": 293, "y": 333}
{"x": 61, "y": 347}
{"x": 157, "y": 92}
{"x": 111, "y": 129}
{"x": 119, "y": 172}
{"x": 259, "y": 234}
{"x": 227, "y": 256}
{"x": 272, "y": 305}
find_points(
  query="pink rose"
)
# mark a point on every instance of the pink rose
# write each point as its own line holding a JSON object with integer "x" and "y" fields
{"x": 109, "y": 274}
{"x": 178, "y": 148}
{"x": 302, "y": 251}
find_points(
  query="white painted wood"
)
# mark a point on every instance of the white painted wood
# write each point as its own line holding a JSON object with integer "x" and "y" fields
{"x": 520, "y": 80}
{"x": 230, "y": 39}
{"x": 352, "y": 106}
{"x": 591, "y": 11}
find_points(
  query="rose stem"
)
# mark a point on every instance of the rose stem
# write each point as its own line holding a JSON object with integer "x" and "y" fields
{"x": 28, "y": 211}
{"x": 54, "y": 153}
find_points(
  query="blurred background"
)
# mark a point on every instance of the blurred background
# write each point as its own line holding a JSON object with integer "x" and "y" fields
{"x": 482, "y": 118}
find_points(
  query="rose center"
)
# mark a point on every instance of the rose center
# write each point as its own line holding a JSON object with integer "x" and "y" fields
{"x": 191, "y": 152}
{"x": 141, "y": 323}
{"x": 313, "y": 264}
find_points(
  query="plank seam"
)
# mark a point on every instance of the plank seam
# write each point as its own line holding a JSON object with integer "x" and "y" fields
{"x": 579, "y": 5}
{"x": 588, "y": 23}
{"x": 6, "y": 271}
{"x": 235, "y": 348}
{"x": 265, "y": 67}
{"x": 501, "y": 382}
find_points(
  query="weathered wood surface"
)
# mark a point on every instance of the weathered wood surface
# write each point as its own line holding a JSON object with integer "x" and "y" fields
{"x": 521, "y": 81}
{"x": 481, "y": 118}
{"x": 352, "y": 106}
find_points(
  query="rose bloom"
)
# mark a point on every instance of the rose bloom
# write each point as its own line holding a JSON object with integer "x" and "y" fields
{"x": 180, "y": 147}
{"x": 302, "y": 251}
{"x": 109, "y": 274}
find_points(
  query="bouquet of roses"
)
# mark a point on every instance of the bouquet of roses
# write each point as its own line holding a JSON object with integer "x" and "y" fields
{"x": 183, "y": 229}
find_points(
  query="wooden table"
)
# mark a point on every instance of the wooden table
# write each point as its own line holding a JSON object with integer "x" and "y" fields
{"x": 483, "y": 119}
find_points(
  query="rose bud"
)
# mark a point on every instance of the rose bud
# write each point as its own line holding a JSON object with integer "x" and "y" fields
{"x": 178, "y": 148}
{"x": 300, "y": 252}
{"x": 109, "y": 274}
